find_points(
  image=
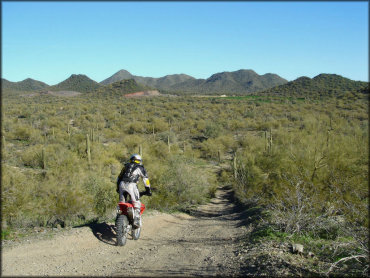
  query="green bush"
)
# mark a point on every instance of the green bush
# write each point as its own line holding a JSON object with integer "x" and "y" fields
{"x": 181, "y": 186}
{"x": 22, "y": 132}
{"x": 212, "y": 130}
{"x": 32, "y": 157}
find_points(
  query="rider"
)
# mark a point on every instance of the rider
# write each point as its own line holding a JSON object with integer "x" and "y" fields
{"x": 127, "y": 184}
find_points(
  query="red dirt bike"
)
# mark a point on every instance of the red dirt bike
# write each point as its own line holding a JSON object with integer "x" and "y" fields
{"x": 125, "y": 220}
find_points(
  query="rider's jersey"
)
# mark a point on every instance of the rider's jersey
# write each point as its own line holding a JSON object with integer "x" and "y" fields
{"x": 131, "y": 172}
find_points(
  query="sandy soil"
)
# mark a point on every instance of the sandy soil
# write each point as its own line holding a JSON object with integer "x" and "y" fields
{"x": 204, "y": 243}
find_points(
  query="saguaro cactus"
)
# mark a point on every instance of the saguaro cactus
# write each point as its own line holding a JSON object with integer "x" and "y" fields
{"x": 266, "y": 141}
{"x": 69, "y": 132}
{"x": 88, "y": 148}
{"x": 43, "y": 158}
{"x": 328, "y": 133}
{"x": 234, "y": 166}
{"x": 270, "y": 142}
{"x": 3, "y": 142}
{"x": 168, "y": 143}
{"x": 92, "y": 134}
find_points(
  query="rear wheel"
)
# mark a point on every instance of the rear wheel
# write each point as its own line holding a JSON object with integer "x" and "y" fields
{"x": 122, "y": 227}
{"x": 136, "y": 233}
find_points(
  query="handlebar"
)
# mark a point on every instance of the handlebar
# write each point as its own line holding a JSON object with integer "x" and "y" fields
{"x": 142, "y": 193}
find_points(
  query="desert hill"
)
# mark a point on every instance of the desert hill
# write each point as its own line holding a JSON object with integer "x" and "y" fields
{"x": 76, "y": 82}
{"x": 25, "y": 85}
{"x": 320, "y": 85}
{"x": 124, "y": 87}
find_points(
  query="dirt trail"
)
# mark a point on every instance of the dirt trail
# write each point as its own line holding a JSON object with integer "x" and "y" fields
{"x": 201, "y": 244}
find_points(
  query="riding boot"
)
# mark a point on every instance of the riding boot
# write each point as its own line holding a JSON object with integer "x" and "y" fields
{"x": 137, "y": 218}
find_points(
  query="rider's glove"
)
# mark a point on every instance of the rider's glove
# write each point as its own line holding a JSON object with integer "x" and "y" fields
{"x": 148, "y": 191}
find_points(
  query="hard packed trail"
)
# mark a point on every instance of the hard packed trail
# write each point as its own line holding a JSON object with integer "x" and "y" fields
{"x": 203, "y": 243}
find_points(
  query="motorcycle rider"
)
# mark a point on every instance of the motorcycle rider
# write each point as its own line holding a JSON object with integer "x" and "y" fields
{"x": 127, "y": 184}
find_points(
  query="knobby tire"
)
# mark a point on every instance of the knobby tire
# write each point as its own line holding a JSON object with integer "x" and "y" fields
{"x": 121, "y": 226}
{"x": 136, "y": 233}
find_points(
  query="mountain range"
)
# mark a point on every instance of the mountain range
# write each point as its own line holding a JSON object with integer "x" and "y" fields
{"x": 239, "y": 82}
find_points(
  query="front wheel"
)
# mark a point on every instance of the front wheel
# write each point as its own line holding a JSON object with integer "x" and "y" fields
{"x": 122, "y": 228}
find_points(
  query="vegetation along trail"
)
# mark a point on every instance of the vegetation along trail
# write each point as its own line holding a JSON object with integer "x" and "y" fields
{"x": 202, "y": 243}
{"x": 294, "y": 156}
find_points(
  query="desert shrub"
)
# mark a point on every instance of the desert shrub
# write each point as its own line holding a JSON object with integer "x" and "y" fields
{"x": 165, "y": 135}
{"x": 211, "y": 147}
{"x": 158, "y": 149}
{"x": 36, "y": 137}
{"x": 249, "y": 178}
{"x": 16, "y": 188}
{"x": 200, "y": 125}
{"x": 111, "y": 134}
{"x": 181, "y": 186}
{"x": 103, "y": 193}
{"x": 212, "y": 130}
{"x": 62, "y": 199}
{"x": 76, "y": 141}
{"x": 22, "y": 132}
{"x": 32, "y": 156}
{"x": 228, "y": 141}
{"x": 236, "y": 124}
{"x": 61, "y": 160}
{"x": 159, "y": 125}
{"x": 135, "y": 127}
{"x": 54, "y": 123}
{"x": 132, "y": 142}
{"x": 116, "y": 150}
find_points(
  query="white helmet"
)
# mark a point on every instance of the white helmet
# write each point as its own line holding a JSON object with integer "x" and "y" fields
{"x": 136, "y": 158}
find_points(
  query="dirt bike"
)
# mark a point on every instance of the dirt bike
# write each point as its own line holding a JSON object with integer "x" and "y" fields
{"x": 125, "y": 221}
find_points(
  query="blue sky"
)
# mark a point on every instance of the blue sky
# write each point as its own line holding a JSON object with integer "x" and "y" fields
{"x": 49, "y": 41}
